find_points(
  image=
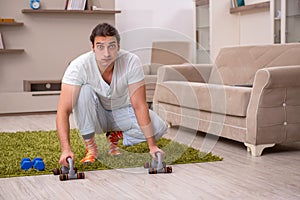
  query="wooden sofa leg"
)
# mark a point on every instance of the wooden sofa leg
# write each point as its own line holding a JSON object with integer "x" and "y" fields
{"x": 256, "y": 150}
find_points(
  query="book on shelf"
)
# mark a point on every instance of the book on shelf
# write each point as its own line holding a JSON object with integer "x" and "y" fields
{"x": 88, "y": 5}
{"x": 234, "y": 3}
{"x": 75, "y": 4}
{"x": 240, "y": 3}
{"x": 7, "y": 20}
{"x": 237, "y": 3}
{"x": 1, "y": 42}
{"x": 66, "y": 5}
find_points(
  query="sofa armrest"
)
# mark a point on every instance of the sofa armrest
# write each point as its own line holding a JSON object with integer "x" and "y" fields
{"x": 185, "y": 72}
{"x": 274, "y": 107}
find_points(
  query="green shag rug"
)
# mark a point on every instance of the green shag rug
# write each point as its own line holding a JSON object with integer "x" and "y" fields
{"x": 44, "y": 144}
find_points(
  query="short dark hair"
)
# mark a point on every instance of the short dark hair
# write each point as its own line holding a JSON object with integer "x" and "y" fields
{"x": 104, "y": 29}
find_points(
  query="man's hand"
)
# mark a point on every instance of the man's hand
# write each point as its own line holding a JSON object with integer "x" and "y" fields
{"x": 63, "y": 158}
{"x": 154, "y": 150}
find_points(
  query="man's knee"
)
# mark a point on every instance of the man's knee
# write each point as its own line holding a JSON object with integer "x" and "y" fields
{"x": 84, "y": 110}
{"x": 159, "y": 126}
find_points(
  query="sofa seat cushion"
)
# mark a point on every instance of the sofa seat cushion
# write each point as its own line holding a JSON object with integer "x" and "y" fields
{"x": 229, "y": 100}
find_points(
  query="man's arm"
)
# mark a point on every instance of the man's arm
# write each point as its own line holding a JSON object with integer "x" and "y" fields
{"x": 68, "y": 98}
{"x": 138, "y": 101}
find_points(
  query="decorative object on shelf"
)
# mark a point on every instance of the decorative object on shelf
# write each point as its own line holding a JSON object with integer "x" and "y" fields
{"x": 76, "y": 4}
{"x": 278, "y": 14}
{"x": 237, "y": 3}
{"x": 251, "y": 7}
{"x": 96, "y": 8}
{"x": 1, "y": 42}
{"x": 240, "y": 3}
{"x": 35, "y": 4}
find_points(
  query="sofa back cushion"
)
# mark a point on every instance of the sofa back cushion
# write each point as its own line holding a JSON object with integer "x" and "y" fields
{"x": 169, "y": 53}
{"x": 238, "y": 65}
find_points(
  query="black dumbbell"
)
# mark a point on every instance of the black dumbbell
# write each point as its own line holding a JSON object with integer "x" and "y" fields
{"x": 68, "y": 173}
{"x": 157, "y": 166}
{"x": 164, "y": 170}
{"x": 65, "y": 177}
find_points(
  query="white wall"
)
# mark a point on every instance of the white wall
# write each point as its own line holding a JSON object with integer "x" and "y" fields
{"x": 50, "y": 41}
{"x": 144, "y": 21}
{"x": 224, "y": 26}
{"x": 245, "y": 28}
{"x": 255, "y": 28}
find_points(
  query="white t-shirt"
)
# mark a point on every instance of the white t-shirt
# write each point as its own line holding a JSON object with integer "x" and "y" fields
{"x": 127, "y": 70}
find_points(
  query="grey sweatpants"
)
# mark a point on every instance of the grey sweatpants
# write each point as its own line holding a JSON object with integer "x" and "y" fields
{"x": 91, "y": 117}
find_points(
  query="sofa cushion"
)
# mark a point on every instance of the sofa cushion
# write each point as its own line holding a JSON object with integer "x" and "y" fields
{"x": 238, "y": 65}
{"x": 169, "y": 53}
{"x": 154, "y": 68}
{"x": 146, "y": 69}
{"x": 150, "y": 82}
{"x": 227, "y": 100}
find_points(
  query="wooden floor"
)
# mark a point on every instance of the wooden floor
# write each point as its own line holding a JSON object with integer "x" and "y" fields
{"x": 275, "y": 175}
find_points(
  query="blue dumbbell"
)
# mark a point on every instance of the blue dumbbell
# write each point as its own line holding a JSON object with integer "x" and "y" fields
{"x": 26, "y": 164}
{"x": 38, "y": 164}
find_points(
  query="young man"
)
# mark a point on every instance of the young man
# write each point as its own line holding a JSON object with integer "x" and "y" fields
{"x": 105, "y": 90}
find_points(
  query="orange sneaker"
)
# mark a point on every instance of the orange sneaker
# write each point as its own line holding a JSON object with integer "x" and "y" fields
{"x": 113, "y": 137}
{"x": 91, "y": 151}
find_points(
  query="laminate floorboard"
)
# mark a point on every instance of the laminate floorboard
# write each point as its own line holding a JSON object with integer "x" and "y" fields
{"x": 274, "y": 175}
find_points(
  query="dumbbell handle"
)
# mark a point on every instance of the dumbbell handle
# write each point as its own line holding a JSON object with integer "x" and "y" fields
{"x": 64, "y": 169}
{"x": 71, "y": 167}
{"x": 70, "y": 173}
{"x": 153, "y": 165}
{"x": 159, "y": 163}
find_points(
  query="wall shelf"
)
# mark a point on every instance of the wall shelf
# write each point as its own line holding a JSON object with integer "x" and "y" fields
{"x": 203, "y": 27}
{"x": 252, "y": 7}
{"x": 11, "y": 23}
{"x": 11, "y": 51}
{"x": 57, "y": 11}
{"x": 41, "y": 85}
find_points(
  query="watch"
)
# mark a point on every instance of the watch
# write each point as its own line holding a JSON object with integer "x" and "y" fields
{"x": 35, "y": 4}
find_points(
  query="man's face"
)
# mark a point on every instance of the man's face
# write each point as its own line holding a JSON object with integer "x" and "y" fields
{"x": 106, "y": 49}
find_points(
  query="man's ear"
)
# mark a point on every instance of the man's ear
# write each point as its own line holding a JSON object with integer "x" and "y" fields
{"x": 92, "y": 48}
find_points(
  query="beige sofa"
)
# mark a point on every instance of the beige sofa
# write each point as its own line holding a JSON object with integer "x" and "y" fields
{"x": 164, "y": 53}
{"x": 251, "y": 94}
